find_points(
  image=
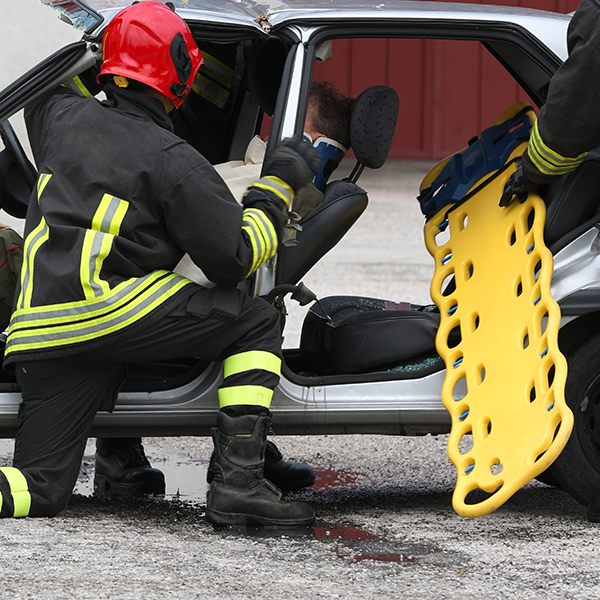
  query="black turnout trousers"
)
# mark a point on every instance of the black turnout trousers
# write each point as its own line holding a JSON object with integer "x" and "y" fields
{"x": 62, "y": 395}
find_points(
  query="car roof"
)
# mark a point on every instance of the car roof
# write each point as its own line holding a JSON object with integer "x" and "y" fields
{"x": 268, "y": 15}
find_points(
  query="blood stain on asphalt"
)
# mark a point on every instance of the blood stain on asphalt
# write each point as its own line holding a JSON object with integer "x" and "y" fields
{"x": 328, "y": 479}
{"x": 358, "y": 544}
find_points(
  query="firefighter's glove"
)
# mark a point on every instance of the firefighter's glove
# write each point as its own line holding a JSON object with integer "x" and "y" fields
{"x": 517, "y": 186}
{"x": 294, "y": 161}
{"x": 292, "y": 165}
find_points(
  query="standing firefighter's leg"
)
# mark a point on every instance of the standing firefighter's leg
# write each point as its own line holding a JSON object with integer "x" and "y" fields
{"x": 284, "y": 475}
{"x": 288, "y": 476}
{"x": 240, "y": 494}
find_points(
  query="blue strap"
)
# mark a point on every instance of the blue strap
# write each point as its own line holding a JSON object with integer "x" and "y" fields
{"x": 487, "y": 153}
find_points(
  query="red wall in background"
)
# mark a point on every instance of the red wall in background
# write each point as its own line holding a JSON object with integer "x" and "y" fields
{"x": 449, "y": 90}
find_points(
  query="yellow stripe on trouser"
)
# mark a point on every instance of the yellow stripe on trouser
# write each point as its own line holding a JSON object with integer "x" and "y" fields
{"x": 245, "y": 394}
{"x": 248, "y": 394}
{"x": 19, "y": 491}
{"x": 254, "y": 359}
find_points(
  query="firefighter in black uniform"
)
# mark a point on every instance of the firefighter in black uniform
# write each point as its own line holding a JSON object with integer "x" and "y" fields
{"x": 119, "y": 200}
{"x": 568, "y": 126}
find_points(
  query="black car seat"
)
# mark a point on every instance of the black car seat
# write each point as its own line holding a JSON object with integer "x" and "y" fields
{"x": 573, "y": 203}
{"x": 372, "y": 126}
{"x": 347, "y": 334}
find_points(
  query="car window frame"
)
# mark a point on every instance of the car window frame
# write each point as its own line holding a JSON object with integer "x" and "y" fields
{"x": 513, "y": 36}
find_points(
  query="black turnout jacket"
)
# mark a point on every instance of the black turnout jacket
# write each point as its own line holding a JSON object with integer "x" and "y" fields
{"x": 569, "y": 123}
{"x": 119, "y": 200}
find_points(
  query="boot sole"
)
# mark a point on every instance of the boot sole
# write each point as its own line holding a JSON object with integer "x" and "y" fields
{"x": 152, "y": 486}
{"x": 216, "y": 517}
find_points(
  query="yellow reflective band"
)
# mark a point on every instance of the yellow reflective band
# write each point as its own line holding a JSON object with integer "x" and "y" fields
{"x": 32, "y": 244}
{"x": 256, "y": 250}
{"x": 211, "y": 91}
{"x": 278, "y": 186}
{"x": 78, "y": 87}
{"x": 214, "y": 81}
{"x": 84, "y": 310}
{"x": 262, "y": 253}
{"x": 245, "y": 394}
{"x": 262, "y": 235}
{"x": 217, "y": 70}
{"x": 547, "y": 160}
{"x": 96, "y": 247}
{"x": 42, "y": 182}
{"x": 256, "y": 223}
{"x": 19, "y": 491}
{"x": 254, "y": 359}
{"x": 109, "y": 216}
{"x": 98, "y": 242}
{"x": 71, "y": 323}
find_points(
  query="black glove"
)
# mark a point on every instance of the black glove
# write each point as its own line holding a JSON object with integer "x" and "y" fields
{"x": 518, "y": 185}
{"x": 294, "y": 161}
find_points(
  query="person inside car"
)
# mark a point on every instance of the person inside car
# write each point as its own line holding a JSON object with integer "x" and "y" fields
{"x": 119, "y": 200}
{"x": 326, "y": 127}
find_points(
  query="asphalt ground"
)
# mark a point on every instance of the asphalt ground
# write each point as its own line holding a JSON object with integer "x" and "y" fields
{"x": 385, "y": 526}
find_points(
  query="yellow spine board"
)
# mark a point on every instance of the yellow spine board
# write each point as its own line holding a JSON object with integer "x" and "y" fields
{"x": 498, "y": 336}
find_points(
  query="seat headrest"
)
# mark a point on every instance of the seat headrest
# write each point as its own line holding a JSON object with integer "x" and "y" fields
{"x": 372, "y": 125}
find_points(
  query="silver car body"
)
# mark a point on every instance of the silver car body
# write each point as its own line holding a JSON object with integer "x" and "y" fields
{"x": 401, "y": 406}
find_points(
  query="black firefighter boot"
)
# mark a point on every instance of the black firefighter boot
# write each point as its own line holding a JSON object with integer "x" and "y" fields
{"x": 239, "y": 493}
{"x": 122, "y": 469}
{"x": 287, "y": 476}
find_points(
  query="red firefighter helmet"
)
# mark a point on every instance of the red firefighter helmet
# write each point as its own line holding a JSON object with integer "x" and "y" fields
{"x": 148, "y": 42}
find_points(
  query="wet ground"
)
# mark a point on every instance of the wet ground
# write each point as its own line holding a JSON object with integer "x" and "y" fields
{"x": 385, "y": 528}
